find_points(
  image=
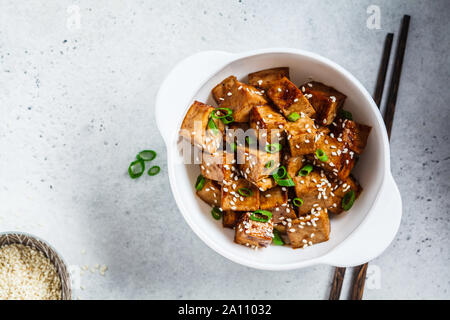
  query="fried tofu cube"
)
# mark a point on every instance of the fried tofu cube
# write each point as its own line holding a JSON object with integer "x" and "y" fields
{"x": 289, "y": 99}
{"x": 210, "y": 193}
{"x": 326, "y": 100}
{"x": 353, "y": 134}
{"x": 301, "y": 136}
{"x": 309, "y": 230}
{"x": 252, "y": 233}
{"x": 275, "y": 200}
{"x": 231, "y": 218}
{"x": 233, "y": 200}
{"x": 314, "y": 190}
{"x": 265, "y": 184}
{"x": 340, "y": 189}
{"x": 265, "y": 78}
{"x": 195, "y": 128}
{"x": 339, "y": 160}
{"x": 268, "y": 123}
{"x": 213, "y": 165}
{"x": 257, "y": 165}
{"x": 239, "y": 97}
{"x": 294, "y": 164}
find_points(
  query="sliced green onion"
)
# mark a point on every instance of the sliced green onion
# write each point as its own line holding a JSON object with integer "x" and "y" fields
{"x": 348, "y": 200}
{"x": 280, "y": 173}
{"x": 249, "y": 140}
{"x": 346, "y": 114}
{"x": 136, "y": 168}
{"x": 216, "y": 213}
{"x": 305, "y": 170}
{"x": 245, "y": 192}
{"x": 274, "y": 147}
{"x": 282, "y": 178}
{"x": 221, "y": 110}
{"x": 269, "y": 164}
{"x": 288, "y": 182}
{"x": 200, "y": 182}
{"x": 212, "y": 125}
{"x": 267, "y": 215}
{"x": 154, "y": 170}
{"x": 228, "y": 119}
{"x": 146, "y": 155}
{"x": 297, "y": 202}
{"x": 321, "y": 155}
{"x": 277, "y": 240}
{"x": 233, "y": 146}
{"x": 294, "y": 116}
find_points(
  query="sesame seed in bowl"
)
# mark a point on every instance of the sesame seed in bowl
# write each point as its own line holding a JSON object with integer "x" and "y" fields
{"x": 30, "y": 269}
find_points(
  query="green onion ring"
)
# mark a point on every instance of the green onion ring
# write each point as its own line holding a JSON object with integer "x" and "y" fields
{"x": 277, "y": 175}
{"x": 277, "y": 240}
{"x": 348, "y": 200}
{"x": 228, "y": 119}
{"x": 136, "y": 168}
{"x": 288, "y": 182}
{"x": 305, "y": 170}
{"x": 294, "y": 116}
{"x": 297, "y": 202}
{"x": 245, "y": 192}
{"x": 215, "y": 116}
{"x": 267, "y": 214}
{"x": 321, "y": 155}
{"x": 216, "y": 213}
{"x": 269, "y": 164}
{"x": 154, "y": 170}
{"x": 273, "y": 148}
{"x": 146, "y": 155}
{"x": 200, "y": 182}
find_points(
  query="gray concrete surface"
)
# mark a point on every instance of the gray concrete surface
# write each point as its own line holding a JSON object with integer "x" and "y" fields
{"x": 77, "y": 101}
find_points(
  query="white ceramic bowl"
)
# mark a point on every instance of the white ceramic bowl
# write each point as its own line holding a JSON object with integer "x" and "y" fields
{"x": 358, "y": 235}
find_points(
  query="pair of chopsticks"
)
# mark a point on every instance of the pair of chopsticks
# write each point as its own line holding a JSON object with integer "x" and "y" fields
{"x": 357, "y": 288}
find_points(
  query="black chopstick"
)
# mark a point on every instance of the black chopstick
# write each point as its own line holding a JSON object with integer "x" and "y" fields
{"x": 360, "y": 275}
{"x": 395, "y": 79}
{"x": 339, "y": 272}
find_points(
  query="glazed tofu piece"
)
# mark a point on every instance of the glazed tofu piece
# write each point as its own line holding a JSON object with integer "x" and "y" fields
{"x": 315, "y": 190}
{"x": 289, "y": 99}
{"x": 265, "y": 184}
{"x": 252, "y": 233}
{"x": 213, "y": 165}
{"x": 210, "y": 193}
{"x": 264, "y": 79}
{"x": 257, "y": 165}
{"x": 235, "y": 201}
{"x": 339, "y": 160}
{"x": 275, "y": 200}
{"x": 268, "y": 123}
{"x": 231, "y": 218}
{"x": 239, "y": 97}
{"x": 353, "y": 134}
{"x": 309, "y": 230}
{"x": 326, "y": 100}
{"x": 301, "y": 136}
{"x": 293, "y": 165}
{"x": 195, "y": 128}
{"x": 340, "y": 189}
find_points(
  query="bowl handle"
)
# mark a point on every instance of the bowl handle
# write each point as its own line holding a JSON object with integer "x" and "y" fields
{"x": 375, "y": 233}
{"x": 188, "y": 75}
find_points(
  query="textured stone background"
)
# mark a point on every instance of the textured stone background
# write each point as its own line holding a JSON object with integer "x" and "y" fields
{"x": 77, "y": 104}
